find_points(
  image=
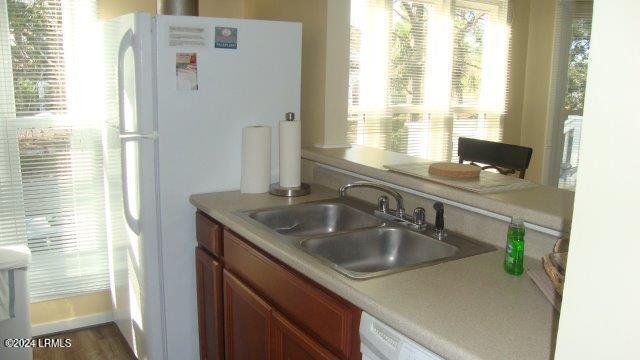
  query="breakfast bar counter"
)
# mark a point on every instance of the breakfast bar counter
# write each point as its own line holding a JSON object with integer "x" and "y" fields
{"x": 541, "y": 206}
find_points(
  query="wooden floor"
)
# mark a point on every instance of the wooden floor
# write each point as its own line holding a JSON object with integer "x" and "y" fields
{"x": 100, "y": 342}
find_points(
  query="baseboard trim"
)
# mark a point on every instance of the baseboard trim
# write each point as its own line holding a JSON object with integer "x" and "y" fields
{"x": 71, "y": 324}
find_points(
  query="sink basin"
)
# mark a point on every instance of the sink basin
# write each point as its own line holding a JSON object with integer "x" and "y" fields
{"x": 380, "y": 251}
{"x": 345, "y": 235}
{"x": 315, "y": 219}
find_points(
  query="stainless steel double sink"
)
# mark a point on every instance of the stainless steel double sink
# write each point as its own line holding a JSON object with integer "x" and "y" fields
{"x": 345, "y": 235}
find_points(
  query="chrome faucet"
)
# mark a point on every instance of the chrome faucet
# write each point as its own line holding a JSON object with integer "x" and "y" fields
{"x": 382, "y": 204}
{"x": 398, "y": 215}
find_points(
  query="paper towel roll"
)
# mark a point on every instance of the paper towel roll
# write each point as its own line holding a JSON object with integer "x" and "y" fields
{"x": 256, "y": 159}
{"x": 290, "y": 153}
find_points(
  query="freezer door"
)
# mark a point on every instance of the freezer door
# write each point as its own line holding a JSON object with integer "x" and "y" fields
{"x": 128, "y": 67}
{"x": 130, "y": 178}
{"x": 247, "y": 72}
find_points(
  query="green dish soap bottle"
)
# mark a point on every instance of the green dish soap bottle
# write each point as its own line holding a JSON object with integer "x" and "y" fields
{"x": 514, "y": 257}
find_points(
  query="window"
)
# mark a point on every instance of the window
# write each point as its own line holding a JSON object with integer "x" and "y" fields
{"x": 51, "y": 179}
{"x": 573, "y": 25}
{"x": 425, "y": 72}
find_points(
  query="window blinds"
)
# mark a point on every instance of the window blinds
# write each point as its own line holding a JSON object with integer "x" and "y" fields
{"x": 423, "y": 73}
{"x": 51, "y": 177}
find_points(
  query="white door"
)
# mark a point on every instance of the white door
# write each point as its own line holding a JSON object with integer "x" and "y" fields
{"x": 130, "y": 147}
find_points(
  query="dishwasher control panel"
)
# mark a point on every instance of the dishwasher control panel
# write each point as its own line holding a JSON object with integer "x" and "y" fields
{"x": 381, "y": 342}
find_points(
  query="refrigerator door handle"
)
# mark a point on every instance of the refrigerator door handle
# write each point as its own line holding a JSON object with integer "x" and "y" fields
{"x": 126, "y": 43}
{"x": 135, "y": 135}
{"x": 132, "y": 221}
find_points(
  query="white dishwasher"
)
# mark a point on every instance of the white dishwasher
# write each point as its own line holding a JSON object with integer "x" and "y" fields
{"x": 380, "y": 342}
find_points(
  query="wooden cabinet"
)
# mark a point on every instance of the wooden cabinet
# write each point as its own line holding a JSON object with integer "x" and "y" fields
{"x": 251, "y": 306}
{"x": 210, "y": 311}
{"x": 290, "y": 343}
{"x": 247, "y": 321}
{"x": 255, "y": 331}
{"x": 333, "y": 321}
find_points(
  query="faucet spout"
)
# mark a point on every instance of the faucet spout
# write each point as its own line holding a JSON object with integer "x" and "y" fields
{"x": 366, "y": 184}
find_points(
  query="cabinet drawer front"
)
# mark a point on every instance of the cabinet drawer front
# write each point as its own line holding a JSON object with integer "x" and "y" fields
{"x": 331, "y": 320}
{"x": 209, "y": 234}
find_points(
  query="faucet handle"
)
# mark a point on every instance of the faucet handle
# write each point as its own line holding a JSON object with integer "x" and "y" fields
{"x": 419, "y": 216}
{"x": 383, "y": 203}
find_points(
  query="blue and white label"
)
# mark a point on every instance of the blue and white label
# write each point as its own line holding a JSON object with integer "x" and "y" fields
{"x": 226, "y": 37}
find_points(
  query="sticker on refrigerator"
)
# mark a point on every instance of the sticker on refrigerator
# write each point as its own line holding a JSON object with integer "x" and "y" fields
{"x": 226, "y": 37}
{"x": 187, "y": 71}
{"x": 186, "y": 36}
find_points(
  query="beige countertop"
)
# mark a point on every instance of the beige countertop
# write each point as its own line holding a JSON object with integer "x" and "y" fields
{"x": 545, "y": 206}
{"x": 463, "y": 309}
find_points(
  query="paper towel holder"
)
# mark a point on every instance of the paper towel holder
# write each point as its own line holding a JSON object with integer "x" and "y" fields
{"x": 277, "y": 190}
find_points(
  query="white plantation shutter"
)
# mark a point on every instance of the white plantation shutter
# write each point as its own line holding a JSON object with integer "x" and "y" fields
{"x": 425, "y": 72}
{"x": 51, "y": 176}
{"x": 570, "y": 63}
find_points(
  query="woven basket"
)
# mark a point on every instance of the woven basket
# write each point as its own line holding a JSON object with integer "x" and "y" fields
{"x": 554, "y": 274}
{"x": 555, "y": 264}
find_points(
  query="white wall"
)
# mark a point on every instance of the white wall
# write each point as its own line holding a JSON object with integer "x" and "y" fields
{"x": 537, "y": 87}
{"x": 313, "y": 16}
{"x": 601, "y": 309}
{"x": 336, "y": 73}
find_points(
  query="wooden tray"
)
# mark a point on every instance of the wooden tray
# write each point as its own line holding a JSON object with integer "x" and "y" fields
{"x": 454, "y": 170}
{"x": 486, "y": 182}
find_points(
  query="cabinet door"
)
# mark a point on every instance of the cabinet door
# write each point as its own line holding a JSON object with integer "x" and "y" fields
{"x": 210, "y": 315}
{"x": 290, "y": 343}
{"x": 247, "y": 322}
{"x": 325, "y": 316}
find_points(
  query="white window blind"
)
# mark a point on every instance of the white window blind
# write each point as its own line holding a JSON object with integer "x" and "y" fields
{"x": 425, "y": 72}
{"x": 51, "y": 176}
{"x": 571, "y": 60}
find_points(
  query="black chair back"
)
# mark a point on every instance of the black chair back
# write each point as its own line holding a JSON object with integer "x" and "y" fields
{"x": 506, "y": 158}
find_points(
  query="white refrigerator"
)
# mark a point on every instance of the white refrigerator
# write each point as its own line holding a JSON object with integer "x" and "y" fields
{"x": 178, "y": 92}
